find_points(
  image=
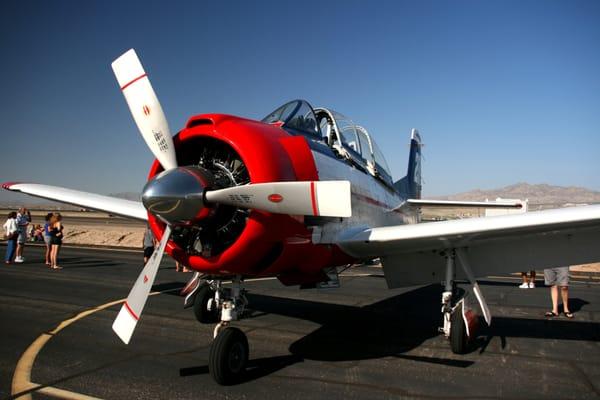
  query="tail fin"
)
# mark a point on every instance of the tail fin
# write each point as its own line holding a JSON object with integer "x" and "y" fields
{"x": 410, "y": 186}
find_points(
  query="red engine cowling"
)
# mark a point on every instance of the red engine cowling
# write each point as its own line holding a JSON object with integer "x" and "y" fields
{"x": 256, "y": 243}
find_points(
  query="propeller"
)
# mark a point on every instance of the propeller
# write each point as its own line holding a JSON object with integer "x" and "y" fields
{"x": 131, "y": 310}
{"x": 180, "y": 195}
{"x": 145, "y": 107}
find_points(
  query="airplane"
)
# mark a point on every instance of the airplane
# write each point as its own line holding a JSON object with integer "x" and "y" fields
{"x": 297, "y": 195}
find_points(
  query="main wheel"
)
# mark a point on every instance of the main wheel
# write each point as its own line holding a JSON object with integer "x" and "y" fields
{"x": 201, "y": 311}
{"x": 228, "y": 356}
{"x": 459, "y": 340}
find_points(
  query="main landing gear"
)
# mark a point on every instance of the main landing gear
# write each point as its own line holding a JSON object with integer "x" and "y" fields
{"x": 459, "y": 322}
{"x": 212, "y": 302}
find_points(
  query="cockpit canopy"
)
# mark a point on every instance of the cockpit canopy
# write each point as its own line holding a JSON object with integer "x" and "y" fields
{"x": 297, "y": 116}
{"x": 348, "y": 140}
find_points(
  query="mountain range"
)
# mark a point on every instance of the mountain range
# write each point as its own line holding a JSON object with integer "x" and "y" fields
{"x": 536, "y": 194}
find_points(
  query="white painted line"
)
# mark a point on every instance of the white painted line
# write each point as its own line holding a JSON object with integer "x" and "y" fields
{"x": 571, "y": 281}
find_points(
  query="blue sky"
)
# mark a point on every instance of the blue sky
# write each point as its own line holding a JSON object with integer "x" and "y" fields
{"x": 502, "y": 92}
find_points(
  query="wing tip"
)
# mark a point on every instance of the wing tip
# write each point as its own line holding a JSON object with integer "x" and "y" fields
{"x": 8, "y": 185}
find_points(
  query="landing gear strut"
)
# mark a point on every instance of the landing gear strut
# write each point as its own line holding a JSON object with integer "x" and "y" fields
{"x": 453, "y": 326}
{"x": 459, "y": 323}
{"x": 229, "y": 351}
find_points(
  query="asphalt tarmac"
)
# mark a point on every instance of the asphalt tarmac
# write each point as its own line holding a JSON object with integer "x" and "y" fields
{"x": 360, "y": 341}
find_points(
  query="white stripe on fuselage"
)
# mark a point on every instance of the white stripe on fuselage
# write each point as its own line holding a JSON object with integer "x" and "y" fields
{"x": 372, "y": 201}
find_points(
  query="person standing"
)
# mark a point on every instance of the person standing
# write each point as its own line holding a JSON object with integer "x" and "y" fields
{"x": 528, "y": 284}
{"x": 56, "y": 229}
{"x": 558, "y": 278}
{"x": 181, "y": 267}
{"x": 11, "y": 233}
{"x": 47, "y": 237}
{"x": 23, "y": 220}
{"x": 148, "y": 243}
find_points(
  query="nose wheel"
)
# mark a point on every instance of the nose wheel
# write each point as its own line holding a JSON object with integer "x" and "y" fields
{"x": 204, "y": 310}
{"x": 228, "y": 356}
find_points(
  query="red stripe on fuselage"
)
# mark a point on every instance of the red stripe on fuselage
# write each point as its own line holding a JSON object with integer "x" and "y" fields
{"x": 133, "y": 81}
{"x": 313, "y": 198}
{"x": 134, "y": 315}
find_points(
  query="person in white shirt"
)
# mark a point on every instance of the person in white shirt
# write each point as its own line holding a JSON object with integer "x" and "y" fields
{"x": 23, "y": 220}
{"x": 10, "y": 233}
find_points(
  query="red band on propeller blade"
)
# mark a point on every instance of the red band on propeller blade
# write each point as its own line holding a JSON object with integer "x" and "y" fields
{"x": 133, "y": 81}
{"x": 134, "y": 315}
{"x": 313, "y": 198}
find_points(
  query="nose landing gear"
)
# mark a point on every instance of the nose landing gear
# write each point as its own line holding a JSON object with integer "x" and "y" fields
{"x": 211, "y": 303}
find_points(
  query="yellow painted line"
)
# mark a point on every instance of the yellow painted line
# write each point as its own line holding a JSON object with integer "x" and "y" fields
{"x": 21, "y": 382}
{"x": 64, "y": 394}
{"x": 271, "y": 278}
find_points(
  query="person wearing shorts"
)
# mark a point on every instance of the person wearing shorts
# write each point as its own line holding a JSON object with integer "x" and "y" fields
{"x": 556, "y": 278}
{"x": 48, "y": 238}
{"x": 23, "y": 220}
{"x": 149, "y": 243}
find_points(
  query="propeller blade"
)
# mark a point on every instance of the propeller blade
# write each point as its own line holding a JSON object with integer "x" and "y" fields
{"x": 319, "y": 198}
{"x": 131, "y": 310}
{"x": 145, "y": 107}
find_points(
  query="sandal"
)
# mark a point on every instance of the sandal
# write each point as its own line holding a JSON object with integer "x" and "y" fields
{"x": 550, "y": 314}
{"x": 568, "y": 314}
{"x": 56, "y": 267}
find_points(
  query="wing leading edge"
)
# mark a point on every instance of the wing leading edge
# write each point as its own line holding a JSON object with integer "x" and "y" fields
{"x": 414, "y": 254}
{"x": 112, "y": 205}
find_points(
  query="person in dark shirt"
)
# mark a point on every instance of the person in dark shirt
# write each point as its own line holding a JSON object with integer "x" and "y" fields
{"x": 56, "y": 238}
{"x": 47, "y": 238}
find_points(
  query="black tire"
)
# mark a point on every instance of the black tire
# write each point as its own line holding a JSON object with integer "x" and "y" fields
{"x": 203, "y": 315}
{"x": 228, "y": 356}
{"x": 459, "y": 340}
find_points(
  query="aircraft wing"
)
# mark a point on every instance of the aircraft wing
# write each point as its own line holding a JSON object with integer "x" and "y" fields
{"x": 414, "y": 254}
{"x": 466, "y": 204}
{"x": 112, "y": 205}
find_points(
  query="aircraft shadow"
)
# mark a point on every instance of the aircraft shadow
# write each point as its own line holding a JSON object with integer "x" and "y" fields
{"x": 255, "y": 369}
{"x": 390, "y": 328}
{"x": 559, "y": 328}
{"x": 398, "y": 324}
{"x": 80, "y": 262}
{"x": 387, "y": 328}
